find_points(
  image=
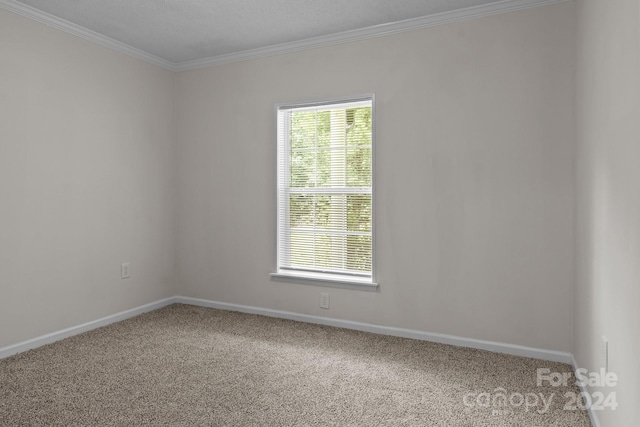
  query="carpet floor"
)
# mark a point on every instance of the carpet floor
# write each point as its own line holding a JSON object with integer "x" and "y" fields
{"x": 191, "y": 366}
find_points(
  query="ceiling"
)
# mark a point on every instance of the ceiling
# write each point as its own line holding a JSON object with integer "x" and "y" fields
{"x": 175, "y": 32}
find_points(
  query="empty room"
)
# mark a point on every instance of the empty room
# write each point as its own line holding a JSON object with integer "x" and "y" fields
{"x": 320, "y": 213}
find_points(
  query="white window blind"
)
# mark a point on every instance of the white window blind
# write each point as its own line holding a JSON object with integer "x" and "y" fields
{"x": 325, "y": 209}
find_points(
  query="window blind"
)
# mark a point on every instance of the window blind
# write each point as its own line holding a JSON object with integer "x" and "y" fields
{"x": 325, "y": 197}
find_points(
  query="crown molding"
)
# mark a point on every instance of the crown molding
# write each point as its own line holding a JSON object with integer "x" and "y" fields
{"x": 468, "y": 13}
{"x": 369, "y": 32}
{"x": 76, "y": 30}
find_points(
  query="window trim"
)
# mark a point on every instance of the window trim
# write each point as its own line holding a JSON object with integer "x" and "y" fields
{"x": 319, "y": 278}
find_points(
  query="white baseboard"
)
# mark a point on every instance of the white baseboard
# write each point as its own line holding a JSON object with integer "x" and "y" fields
{"x": 595, "y": 422}
{"x": 85, "y": 327}
{"x": 496, "y": 347}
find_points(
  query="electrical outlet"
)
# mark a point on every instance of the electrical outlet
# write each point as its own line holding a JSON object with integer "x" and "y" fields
{"x": 324, "y": 300}
{"x": 605, "y": 354}
{"x": 124, "y": 270}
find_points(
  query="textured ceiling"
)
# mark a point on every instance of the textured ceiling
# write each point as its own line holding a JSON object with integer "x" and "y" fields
{"x": 188, "y": 30}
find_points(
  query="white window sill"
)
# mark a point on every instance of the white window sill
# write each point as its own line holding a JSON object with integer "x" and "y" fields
{"x": 328, "y": 280}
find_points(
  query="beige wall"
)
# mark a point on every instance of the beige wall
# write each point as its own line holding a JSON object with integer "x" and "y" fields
{"x": 475, "y": 180}
{"x": 86, "y": 181}
{"x": 608, "y": 197}
{"x": 474, "y": 174}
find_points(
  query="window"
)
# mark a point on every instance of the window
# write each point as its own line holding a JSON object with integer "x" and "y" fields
{"x": 325, "y": 191}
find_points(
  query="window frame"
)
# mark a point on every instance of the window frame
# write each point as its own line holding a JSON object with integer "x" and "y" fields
{"x": 326, "y": 278}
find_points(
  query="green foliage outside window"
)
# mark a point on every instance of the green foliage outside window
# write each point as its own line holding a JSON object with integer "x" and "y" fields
{"x": 330, "y": 152}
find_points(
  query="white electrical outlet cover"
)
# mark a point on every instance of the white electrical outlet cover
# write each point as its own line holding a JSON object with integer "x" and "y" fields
{"x": 124, "y": 270}
{"x": 605, "y": 354}
{"x": 324, "y": 300}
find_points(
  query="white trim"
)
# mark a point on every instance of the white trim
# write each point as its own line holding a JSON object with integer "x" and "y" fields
{"x": 75, "y": 330}
{"x": 285, "y": 271}
{"x": 329, "y": 280}
{"x": 84, "y": 33}
{"x": 496, "y": 347}
{"x": 279, "y": 49}
{"x": 368, "y": 32}
{"x": 595, "y": 421}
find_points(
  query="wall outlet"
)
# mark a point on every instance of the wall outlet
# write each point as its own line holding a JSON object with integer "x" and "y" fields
{"x": 124, "y": 270}
{"x": 605, "y": 354}
{"x": 324, "y": 300}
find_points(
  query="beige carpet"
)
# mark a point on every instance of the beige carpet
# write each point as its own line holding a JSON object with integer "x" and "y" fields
{"x": 191, "y": 366}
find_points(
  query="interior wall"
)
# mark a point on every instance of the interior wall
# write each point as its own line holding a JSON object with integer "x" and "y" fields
{"x": 608, "y": 198}
{"x": 474, "y": 177}
{"x": 86, "y": 180}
